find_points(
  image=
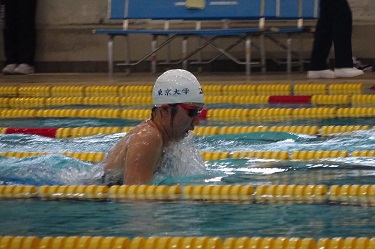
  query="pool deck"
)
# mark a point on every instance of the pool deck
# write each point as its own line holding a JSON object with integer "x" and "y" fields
{"x": 368, "y": 79}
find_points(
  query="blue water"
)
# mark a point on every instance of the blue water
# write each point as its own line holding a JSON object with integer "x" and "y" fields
{"x": 130, "y": 219}
{"x": 65, "y": 218}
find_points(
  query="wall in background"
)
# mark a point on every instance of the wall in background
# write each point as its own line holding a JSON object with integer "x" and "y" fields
{"x": 66, "y": 42}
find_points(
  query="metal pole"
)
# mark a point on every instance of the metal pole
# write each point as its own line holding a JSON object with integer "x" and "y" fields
{"x": 248, "y": 55}
{"x": 184, "y": 53}
{"x": 110, "y": 55}
{"x": 153, "y": 56}
{"x": 289, "y": 55}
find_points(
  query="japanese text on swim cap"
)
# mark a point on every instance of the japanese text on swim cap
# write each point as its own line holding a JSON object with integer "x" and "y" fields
{"x": 172, "y": 92}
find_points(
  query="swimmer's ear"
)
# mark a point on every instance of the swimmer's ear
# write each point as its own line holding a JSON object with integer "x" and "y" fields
{"x": 164, "y": 107}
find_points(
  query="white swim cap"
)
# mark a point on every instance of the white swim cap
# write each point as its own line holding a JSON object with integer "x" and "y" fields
{"x": 177, "y": 86}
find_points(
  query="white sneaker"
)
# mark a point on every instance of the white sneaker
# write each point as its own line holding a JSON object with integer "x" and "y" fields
{"x": 24, "y": 69}
{"x": 321, "y": 74}
{"x": 9, "y": 69}
{"x": 348, "y": 72}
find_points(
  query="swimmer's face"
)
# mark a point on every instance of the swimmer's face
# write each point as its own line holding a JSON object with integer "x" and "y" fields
{"x": 187, "y": 117}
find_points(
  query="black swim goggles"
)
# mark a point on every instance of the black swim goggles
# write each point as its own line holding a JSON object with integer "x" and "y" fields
{"x": 192, "y": 111}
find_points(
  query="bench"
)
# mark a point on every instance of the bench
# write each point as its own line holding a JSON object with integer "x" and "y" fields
{"x": 250, "y": 17}
{"x": 289, "y": 10}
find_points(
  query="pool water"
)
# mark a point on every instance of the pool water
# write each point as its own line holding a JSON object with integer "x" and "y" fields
{"x": 189, "y": 218}
{"x": 146, "y": 219}
{"x": 62, "y": 170}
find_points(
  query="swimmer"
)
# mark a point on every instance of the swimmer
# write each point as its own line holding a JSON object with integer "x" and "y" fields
{"x": 178, "y": 101}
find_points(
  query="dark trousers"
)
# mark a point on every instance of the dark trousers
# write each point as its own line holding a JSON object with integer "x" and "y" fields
{"x": 334, "y": 26}
{"x": 19, "y": 31}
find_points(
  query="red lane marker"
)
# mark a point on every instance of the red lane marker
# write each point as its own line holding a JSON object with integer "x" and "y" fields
{"x": 45, "y": 132}
{"x": 203, "y": 114}
{"x": 289, "y": 100}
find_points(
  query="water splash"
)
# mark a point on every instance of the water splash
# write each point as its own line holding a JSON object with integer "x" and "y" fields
{"x": 182, "y": 159}
{"x": 52, "y": 169}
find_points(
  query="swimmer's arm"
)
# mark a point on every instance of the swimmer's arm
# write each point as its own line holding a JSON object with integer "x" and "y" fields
{"x": 142, "y": 159}
{"x": 113, "y": 160}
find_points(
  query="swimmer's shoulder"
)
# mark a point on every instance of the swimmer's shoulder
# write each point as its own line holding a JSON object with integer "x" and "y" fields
{"x": 148, "y": 134}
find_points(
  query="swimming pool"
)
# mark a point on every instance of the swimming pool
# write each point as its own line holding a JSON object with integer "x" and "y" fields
{"x": 352, "y": 164}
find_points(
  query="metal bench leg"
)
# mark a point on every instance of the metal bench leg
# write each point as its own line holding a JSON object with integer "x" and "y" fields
{"x": 248, "y": 55}
{"x": 127, "y": 56}
{"x": 200, "y": 58}
{"x": 184, "y": 53}
{"x": 110, "y": 55}
{"x": 168, "y": 59}
{"x": 300, "y": 54}
{"x": 198, "y": 26}
{"x": 153, "y": 57}
{"x": 263, "y": 54}
{"x": 289, "y": 55}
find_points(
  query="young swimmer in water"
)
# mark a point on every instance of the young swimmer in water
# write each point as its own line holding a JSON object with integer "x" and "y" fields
{"x": 178, "y": 101}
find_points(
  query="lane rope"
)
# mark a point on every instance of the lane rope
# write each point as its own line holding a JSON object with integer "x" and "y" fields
{"x": 56, "y": 132}
{"x": 207, "y": 242}
{"x": 363, "y": 195}
{"x": 215, "y": 155}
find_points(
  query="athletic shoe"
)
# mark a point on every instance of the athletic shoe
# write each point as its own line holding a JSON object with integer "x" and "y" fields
{"x": 321, "y": 74}
{"x": 24, "y": 69}
{"x": 364, "y": 67}
{"x": 9, "y": 69}
{"x": 348, "y": 72}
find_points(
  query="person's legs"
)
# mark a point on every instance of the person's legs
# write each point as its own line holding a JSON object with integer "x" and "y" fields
{"x": 342, "y": 34}
{"x": 322, "y": 43}
{"x": 26, "y": 35}
{"x": 342, "y": 39}
{"x": 10, "y": 31}
{"x": 323, "y": 37}
{"x": 19, "y": 36}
